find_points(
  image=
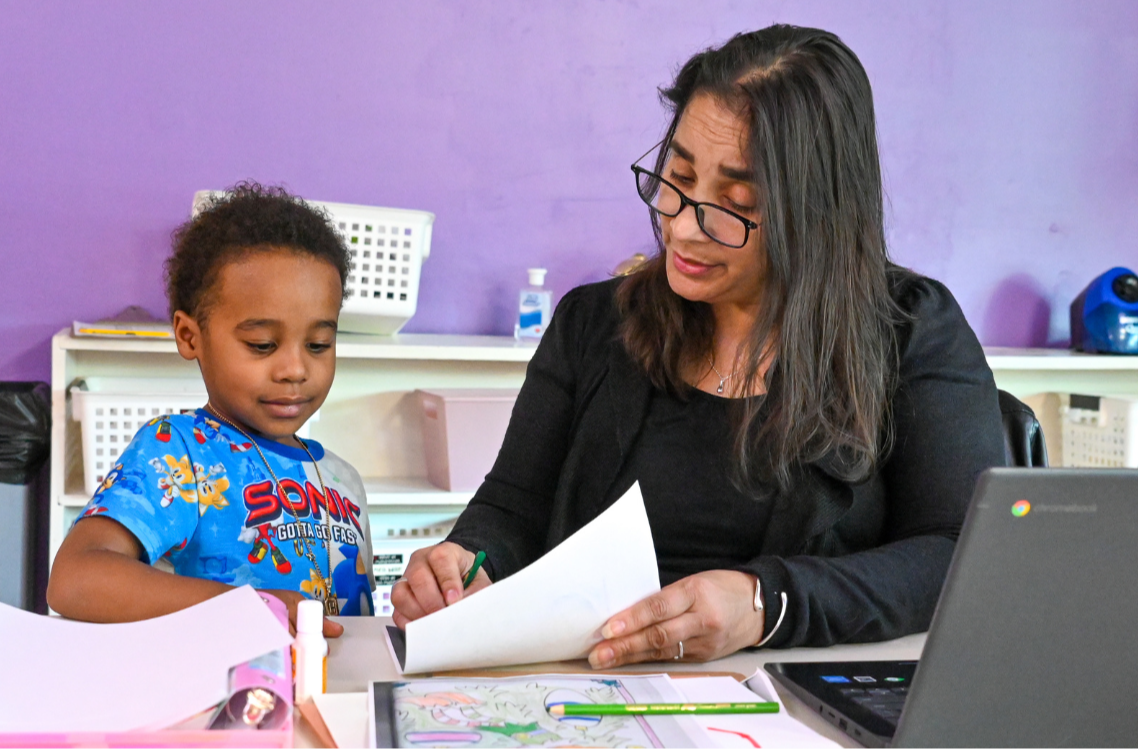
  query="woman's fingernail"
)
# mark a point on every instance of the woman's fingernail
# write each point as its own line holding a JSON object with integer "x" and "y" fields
{"x": 600, "y": 658}
{"x": 452, "y": 596}
{"x": 612, "y": 629}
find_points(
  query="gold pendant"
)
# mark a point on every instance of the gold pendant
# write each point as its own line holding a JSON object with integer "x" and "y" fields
{"x": 331, "y": 605}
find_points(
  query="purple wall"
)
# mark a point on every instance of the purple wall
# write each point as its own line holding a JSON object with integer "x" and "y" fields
{"x": 1009, "y": 135}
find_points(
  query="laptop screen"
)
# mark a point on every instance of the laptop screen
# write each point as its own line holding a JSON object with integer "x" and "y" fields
{"x": 1034, "y": 640}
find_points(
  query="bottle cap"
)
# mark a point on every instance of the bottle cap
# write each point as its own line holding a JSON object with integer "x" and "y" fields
{"x": 310, "y": 617}
{"x": 536, "y": 276}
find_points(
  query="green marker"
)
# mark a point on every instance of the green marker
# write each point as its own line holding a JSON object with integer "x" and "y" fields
{"x": 479, "y": 558}
{"x": 673, "y": 708}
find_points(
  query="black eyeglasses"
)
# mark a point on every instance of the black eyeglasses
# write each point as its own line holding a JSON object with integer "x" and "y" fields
{"x": 724, "y": 226}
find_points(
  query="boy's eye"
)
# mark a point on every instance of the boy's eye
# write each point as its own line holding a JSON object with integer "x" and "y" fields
{"x": 319, "y": 348}
{"x": 260, "y": 348}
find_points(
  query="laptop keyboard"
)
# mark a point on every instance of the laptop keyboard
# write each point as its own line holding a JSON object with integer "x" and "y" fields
{"x": 884, "y": 702}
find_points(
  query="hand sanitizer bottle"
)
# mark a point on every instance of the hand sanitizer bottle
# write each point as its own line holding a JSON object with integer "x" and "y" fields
{"x": 535, "y": 306}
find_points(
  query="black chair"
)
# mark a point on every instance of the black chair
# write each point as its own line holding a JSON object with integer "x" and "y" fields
{"x": 1023, "y": 437}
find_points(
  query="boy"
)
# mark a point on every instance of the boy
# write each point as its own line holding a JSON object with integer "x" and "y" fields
{"x": 228, "y": 494}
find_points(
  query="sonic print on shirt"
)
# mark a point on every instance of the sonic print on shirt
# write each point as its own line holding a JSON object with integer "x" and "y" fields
{"x": 196, "y": 492}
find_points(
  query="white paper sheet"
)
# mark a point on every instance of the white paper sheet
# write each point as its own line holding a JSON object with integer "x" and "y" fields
{"x": 553, "y": 609}
{"x": 346, "y": 716}
{"x": 760, "y": 729}
{"x": 60, "y": 676}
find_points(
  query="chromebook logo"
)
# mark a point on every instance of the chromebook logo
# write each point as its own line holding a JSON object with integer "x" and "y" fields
{"x": 1021, "y": 508}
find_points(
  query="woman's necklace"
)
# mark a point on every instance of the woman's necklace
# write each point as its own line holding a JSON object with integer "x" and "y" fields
{"x": 723, "y": 378}
{"x": 331, "y": 602}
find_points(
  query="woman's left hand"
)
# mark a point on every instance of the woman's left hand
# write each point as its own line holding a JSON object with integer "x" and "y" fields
{"x": 712, "y": 613}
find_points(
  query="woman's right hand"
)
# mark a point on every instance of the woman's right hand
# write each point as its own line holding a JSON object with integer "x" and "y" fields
{"x": 433, "y": 580}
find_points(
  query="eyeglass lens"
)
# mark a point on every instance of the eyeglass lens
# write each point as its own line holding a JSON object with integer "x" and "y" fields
{"x": 721, "y": 226}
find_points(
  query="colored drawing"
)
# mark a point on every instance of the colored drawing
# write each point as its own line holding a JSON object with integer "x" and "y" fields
{"x": 515, "y": 713}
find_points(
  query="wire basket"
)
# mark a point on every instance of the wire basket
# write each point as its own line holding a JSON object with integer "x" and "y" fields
{"x": 388, "y": 247}
{"x": 111, "y": 410}
{"x": 1100, "y": 432}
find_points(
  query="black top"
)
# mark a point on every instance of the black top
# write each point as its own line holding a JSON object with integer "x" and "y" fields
{"x": 859, "y": 562}
{"x": 699, "y": 520}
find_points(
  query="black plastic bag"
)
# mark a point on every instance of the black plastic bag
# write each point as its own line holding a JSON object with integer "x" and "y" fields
{"x": 25, "y": 430}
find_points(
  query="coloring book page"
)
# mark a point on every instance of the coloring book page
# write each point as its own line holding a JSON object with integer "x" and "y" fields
{"x": 553, "y": 609}
{"x": 515, "y": 712}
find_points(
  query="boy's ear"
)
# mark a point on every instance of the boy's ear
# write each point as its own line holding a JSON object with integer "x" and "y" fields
{"x": 188, "y": 335}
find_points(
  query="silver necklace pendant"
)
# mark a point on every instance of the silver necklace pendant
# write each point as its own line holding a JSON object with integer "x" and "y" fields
{"x": 722, "y": 378}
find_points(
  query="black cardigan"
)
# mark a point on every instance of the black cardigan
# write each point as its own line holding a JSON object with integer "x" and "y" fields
{"x": 858, "y": 562}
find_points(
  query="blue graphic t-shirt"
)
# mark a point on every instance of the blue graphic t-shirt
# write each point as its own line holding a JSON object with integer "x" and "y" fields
{"x": 196, "y": 492}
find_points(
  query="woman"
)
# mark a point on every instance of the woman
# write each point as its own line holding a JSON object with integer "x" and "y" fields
{"x": 806, "y": 420}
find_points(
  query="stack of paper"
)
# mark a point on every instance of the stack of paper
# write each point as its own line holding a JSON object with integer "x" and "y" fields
{"x": 511, "y": 711}
{"x": 109, "y": 329}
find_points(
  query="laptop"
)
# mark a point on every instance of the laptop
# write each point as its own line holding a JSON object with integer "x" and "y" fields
{"x": 1035, "y": 637}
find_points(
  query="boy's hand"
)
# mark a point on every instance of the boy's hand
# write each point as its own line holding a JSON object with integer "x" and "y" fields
{"x": 291, "y": 598}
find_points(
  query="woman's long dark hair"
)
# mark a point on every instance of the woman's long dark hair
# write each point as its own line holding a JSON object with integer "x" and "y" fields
{"x": 826, "y": 311}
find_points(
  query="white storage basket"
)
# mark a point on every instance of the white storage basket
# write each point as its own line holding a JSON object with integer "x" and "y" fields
{"x": 1100, "y": 432}
{"x": 388, "y": 247}
{"x": 112, "y": 409}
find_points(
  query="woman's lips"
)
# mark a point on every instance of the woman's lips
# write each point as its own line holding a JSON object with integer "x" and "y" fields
{"x": 689, "y": 267}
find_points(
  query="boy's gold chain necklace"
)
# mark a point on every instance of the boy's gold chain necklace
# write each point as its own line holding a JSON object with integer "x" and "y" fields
{"x": 331, "y": 602}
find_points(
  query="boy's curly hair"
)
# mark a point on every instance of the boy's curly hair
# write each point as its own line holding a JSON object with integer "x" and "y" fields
{"x": 247, "y": 217}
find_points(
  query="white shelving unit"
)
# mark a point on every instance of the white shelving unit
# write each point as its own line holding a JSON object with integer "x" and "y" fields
{"x": 371, "y": 420}
{"x": 1031, "y": 373}
{"x": 1025, "y": 372}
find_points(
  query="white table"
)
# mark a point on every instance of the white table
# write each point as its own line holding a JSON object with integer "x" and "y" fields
{"x": 361, "y": 656}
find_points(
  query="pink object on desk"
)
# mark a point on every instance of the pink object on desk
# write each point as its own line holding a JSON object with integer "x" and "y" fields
{"x": 260, "y": 690}
{"x": 193, "y": 731}
{"x": 169, "y": 738}
{"x": 462, "y": 433}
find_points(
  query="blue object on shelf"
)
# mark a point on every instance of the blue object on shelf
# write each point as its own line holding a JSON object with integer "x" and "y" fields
{"x": 1104, "y": 317}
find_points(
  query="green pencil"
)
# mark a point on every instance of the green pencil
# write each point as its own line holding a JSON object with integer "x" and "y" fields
{"x": 674, "y": 708}
{"x": 479, "y": 558}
